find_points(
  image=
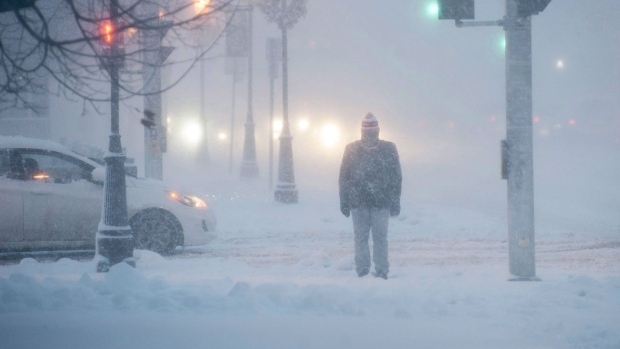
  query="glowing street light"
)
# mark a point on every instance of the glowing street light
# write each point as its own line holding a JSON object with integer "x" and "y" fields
{"x": 330, "y": 135}
{"x": 222, "y": 136}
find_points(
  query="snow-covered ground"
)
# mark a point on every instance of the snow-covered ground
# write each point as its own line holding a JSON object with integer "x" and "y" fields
{"x": 282, "y": 276}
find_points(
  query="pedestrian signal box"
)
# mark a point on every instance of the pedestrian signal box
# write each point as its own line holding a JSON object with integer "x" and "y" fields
{"x": 14, "y": 5}
{"x": 456, "y": 9}
{"x": 526, "y": 8}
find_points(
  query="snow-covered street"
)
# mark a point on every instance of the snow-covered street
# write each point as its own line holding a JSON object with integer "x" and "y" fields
{"x": 240, "y": 152}
{"x": 282, "y": 276}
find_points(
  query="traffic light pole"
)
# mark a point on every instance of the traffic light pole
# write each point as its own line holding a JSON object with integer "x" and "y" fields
{"x": 517, "y": 149}
{"x": 154, "y": 55}
{"x": 114, "y": 241}
{"x": 519, "y": 144}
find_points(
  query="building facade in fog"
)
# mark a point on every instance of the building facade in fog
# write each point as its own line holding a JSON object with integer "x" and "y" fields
{"x": 28, "y": 114}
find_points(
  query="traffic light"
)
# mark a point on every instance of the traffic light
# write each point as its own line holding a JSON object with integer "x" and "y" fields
{"x": 11, "y": 5}
{"x": 527, "y": 8}
{"x": 456, "y": 9}
{"x": 107, "y": 33}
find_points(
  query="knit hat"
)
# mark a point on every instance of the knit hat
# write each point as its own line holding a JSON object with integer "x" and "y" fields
{"x": 370, "y": 122}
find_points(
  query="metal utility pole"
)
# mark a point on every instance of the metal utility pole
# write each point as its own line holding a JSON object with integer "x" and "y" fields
{"x": 114, "y": 240}
{"x": 517, "y": 149}
{"x": 154, "y": 55}
{"x": 520, "y": 150}
{"x": 274, "y": 58}
{"x": 249, "y": 167}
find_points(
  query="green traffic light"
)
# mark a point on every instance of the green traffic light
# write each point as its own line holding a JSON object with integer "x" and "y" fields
{"x": 432, "y": 10}
{"x": 497, "y": 44}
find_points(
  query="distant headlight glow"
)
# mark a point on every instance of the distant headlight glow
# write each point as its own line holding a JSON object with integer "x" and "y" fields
{"x": 330, "y": 135}
{"x": 191, "y": 133}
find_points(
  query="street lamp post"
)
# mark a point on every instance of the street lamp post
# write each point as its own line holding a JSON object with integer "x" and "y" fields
{"x": 286, "y": 16}
{"x": 202, "y": 155}
{"x": 232, "y": 118}
{"x": 249, "y": 167}
{"x": 286, "y": 191}
{"x": 274, "y": 58}
{"x": 114, "y": 240}
{"x": 237, "y": 48}
{"x": 234, "y": 68}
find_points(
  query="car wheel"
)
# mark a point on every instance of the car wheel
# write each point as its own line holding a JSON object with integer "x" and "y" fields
{"x": 154, "y": 231}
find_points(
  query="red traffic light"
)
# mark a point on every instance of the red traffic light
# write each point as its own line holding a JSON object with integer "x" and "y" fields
{"x": 107, "y": 33}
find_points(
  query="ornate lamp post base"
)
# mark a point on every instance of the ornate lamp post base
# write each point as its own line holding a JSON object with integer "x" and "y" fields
{"x": 249, "y": 166}
{"x": 286, "y": 190}
{"x": 114, "y": 240}
{"x": 532, "y": 278}
{"x": 286, "y": 194}
{"x": 114, "y": 247}
{"x": 249, "y": 169}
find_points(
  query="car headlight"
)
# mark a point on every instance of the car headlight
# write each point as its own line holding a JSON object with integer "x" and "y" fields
{"x": 192, "y": 201}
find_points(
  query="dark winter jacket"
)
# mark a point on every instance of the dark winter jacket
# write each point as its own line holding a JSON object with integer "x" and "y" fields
{"x": 370, "y": 177}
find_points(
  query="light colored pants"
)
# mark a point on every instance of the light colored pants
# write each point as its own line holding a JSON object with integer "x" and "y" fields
{"x": 365, "y": 220}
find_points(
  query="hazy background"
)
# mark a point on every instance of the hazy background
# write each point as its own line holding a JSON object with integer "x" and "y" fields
{"x": 438, "y": 92}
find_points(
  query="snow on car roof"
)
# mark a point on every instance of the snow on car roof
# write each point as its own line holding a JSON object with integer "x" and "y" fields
{"x": 14, "y": 142}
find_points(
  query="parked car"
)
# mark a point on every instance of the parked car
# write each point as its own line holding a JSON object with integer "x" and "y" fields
{"x": 51, "y": 198}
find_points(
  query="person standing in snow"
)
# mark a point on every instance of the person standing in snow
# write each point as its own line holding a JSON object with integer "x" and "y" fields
{"x": 370, "y": 184}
